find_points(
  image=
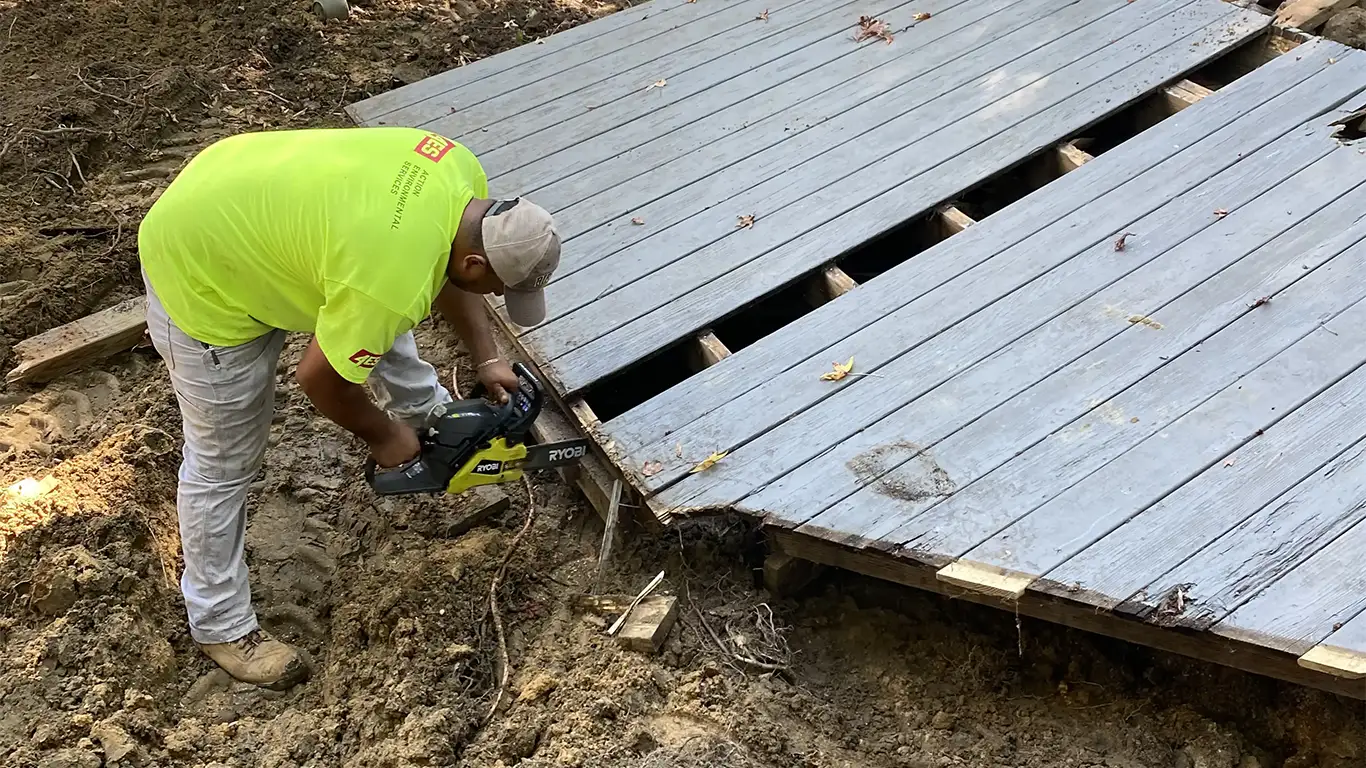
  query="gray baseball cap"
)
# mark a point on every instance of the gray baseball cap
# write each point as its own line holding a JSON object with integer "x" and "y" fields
{"x": 523, "y": 248}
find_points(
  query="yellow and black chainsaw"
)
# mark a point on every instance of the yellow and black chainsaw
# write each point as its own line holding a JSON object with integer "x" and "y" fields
{"x": 475, "y": 442}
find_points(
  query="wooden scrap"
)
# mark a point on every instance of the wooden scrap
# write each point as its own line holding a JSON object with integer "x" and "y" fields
{"x": 785, "y": 575}
{"x": 608, "y": 532}
{"x": 79, "y": 343}
{"x": 649, "y": 624}
{"x": 1308, "y": 14}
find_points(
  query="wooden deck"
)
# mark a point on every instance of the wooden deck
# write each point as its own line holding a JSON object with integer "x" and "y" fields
{"x": 1164, "y": 441}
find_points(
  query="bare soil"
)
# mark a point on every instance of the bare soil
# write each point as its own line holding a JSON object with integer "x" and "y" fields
{"x": 102, "y": 102}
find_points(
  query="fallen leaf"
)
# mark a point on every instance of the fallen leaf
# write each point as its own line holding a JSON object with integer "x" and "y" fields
{"x": 746, "y": 221}
{"x": 637, "y": 221}
{"x": 678, "y": 450}
{"x": 1119, "y": 244}
{"x": 920, "y": 16}
{"x": 657, "y": 84}
{"x": 870, "y": 27}
{"x": 1134, "y": 420}
{"x": 1228, "y": 462}
{"x": 708, "y": 462}
{"x": 1259, "y": 302}
{"x": 763, "y": 16}
{"x": 1145, "y": 320}
{"x": 1332, "y": 61}
{"x": 841, "y": 370}
{"x": 652, "y": 468}
{"x": 1220, "y": 212}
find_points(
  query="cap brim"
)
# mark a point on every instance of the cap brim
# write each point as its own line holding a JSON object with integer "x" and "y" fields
{"x": 525, "y": 308}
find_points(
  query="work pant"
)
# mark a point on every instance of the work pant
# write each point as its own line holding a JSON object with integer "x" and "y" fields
{"x": 227, "y": 399}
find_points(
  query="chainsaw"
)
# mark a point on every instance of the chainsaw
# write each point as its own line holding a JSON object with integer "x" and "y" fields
{"x": 475, "y": 442}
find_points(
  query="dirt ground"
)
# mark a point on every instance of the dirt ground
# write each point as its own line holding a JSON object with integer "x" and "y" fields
{"x": 101, "y": 102}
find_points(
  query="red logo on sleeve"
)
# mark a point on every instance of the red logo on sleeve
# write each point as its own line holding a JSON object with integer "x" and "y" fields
{"x": 434, "y": 148}
{"x": 364, "y": 358}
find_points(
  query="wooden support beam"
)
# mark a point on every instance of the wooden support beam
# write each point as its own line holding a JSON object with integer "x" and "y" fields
{"x": 707, "y": 350}
{"x": 68, "y": 347}
{"x": 1184, "y": 94}
{"x": 953, "y": 220}
{"x": 584, "y": 413}
{"x": 1070, "y": 157}
{"x": 830, "y": 284}
{"x": 1309, "y": 14}
{"x": 785, "y": 575}
{"x": 1332, "y": 660}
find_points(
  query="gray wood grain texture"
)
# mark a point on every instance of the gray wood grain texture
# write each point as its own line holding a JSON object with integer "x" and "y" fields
{"x": 1277, "y": 94}
{"x": 528, "y": 112}
{"x": 1316, "y": 452}
{"x": 1304, "y": 607}
{"x": 1349, "y": 635}
{"x": 618, "y": 29}
{"x": 1068, "y": 330}
{"x": 1079, "y": 359}
{"x": 1101, "y": 492}
{"x": 781, "y": 395}
{"x": 725, "y": 287}
{"x": 682, "y": 202}
{"x": 609, "y": 149}
{"x": 573, "y": 68}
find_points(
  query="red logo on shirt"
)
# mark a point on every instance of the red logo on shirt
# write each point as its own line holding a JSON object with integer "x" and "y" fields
{"x": 434, "y": 148}
{"x": 365, "y": 358}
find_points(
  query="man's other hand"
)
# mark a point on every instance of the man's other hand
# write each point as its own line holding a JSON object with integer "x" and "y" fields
{"x": 397, "y": 447}
{"x": 499, "y": 379}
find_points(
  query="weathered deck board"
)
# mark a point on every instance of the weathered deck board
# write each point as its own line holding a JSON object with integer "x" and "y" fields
{"x": 619, "y": 142}
{"x": 929, "y": 341}
{"x": 1077, "y": 211}
{"x": 709, "y": 284}
{"x": 1341, "y": 654}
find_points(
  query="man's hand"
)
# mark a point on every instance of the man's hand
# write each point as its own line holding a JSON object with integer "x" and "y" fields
{"x": 397, "y": 447}
{"x": 499, "y": 379}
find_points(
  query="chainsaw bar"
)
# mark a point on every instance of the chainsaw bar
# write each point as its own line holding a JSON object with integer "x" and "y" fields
{"x": 548, "y": 455}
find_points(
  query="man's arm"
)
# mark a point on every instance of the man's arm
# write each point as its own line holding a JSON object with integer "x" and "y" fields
{"x": 391, "y": 442}
{"x": 466, "y": 312}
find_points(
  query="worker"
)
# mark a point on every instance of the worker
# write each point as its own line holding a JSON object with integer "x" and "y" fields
{"x": 351, "y": 235}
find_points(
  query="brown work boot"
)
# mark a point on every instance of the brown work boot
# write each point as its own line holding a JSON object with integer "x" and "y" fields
{"x": 259, "y": 659}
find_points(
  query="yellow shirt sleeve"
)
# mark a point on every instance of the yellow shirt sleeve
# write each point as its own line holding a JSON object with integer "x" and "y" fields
{"x": 354, "y": 331}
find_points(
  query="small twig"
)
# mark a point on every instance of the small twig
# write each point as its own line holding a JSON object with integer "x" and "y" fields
{"x": 287, "y": 102}
{"x": 493, "y": 601}
{"x": 740, "y": 657}
{"x": 77, "y": 165}
{"x": 98, "y": 92}
{"x": 616, "y": 625}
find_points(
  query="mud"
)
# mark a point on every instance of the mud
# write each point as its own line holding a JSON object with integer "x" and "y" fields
{"x": 102, "y": 103}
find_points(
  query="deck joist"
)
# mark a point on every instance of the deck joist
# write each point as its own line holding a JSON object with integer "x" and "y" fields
{"x": 1163, "y": 441}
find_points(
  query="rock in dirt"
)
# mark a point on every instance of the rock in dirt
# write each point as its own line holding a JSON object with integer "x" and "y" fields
{"x": 1347, "y": 27}
{"x": 115, "y": 741}
{"x": 540, "y": 686}
{"x": 944, "y": 721}
{"x": 521, "y": 742}
{"x": 1211, "y": 755}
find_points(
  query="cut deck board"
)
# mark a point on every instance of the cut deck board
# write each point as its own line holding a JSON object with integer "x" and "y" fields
{"x": 1162, "y": 442}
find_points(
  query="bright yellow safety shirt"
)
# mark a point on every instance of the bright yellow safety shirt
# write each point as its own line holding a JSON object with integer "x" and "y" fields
{"x": 344, "y": 233}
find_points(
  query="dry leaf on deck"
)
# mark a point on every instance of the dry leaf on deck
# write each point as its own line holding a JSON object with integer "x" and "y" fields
{"x": 637, "y": 221}
{"x": 678, "y": 450}
{"x": 870, "y": 27}
{"x": 660, "y": 83}
{"x": 1119, "y": 244}
{"x": 1228, "y": 462}
{"x": 1259, "y": 302}
{"x": 763, "y": 16}
{"x": 746, "y": 221}
{"x": 921, "y": 16}
{"x": 652, "y": 468}
{"x": 1220, "y": 212}
{"x": 841, "y": 370}
{"x": 708, "y": 462}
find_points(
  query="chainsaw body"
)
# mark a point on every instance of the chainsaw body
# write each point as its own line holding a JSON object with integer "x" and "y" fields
{"x": 475, "y": 442}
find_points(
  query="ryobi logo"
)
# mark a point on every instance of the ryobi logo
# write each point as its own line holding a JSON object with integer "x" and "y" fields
{"x": 565, "y": 454}
{"x": 488, "y": 467}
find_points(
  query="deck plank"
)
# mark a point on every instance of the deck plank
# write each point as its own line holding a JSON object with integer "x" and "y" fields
{"x": 744, "y": 170}
{"x": 1306, "y": 605}
{"x": 629, "y": 167}
{"x": 907, "y": 357}
{"x": 579, "y": 43}
{"x": 717, "y": 281}
{"x": 468, "y": 109}
{"x": 1341, "y": 654}
{"x": 1215, "y": 573}
{"x": 736, "y": 34}
{"x": 1091, "y": 495}
{"x": 1276, "y": 95}
{"x": 1067, "y": 337}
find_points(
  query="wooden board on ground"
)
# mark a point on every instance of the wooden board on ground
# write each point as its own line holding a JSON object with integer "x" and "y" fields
{"x": 79, "y": 343}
